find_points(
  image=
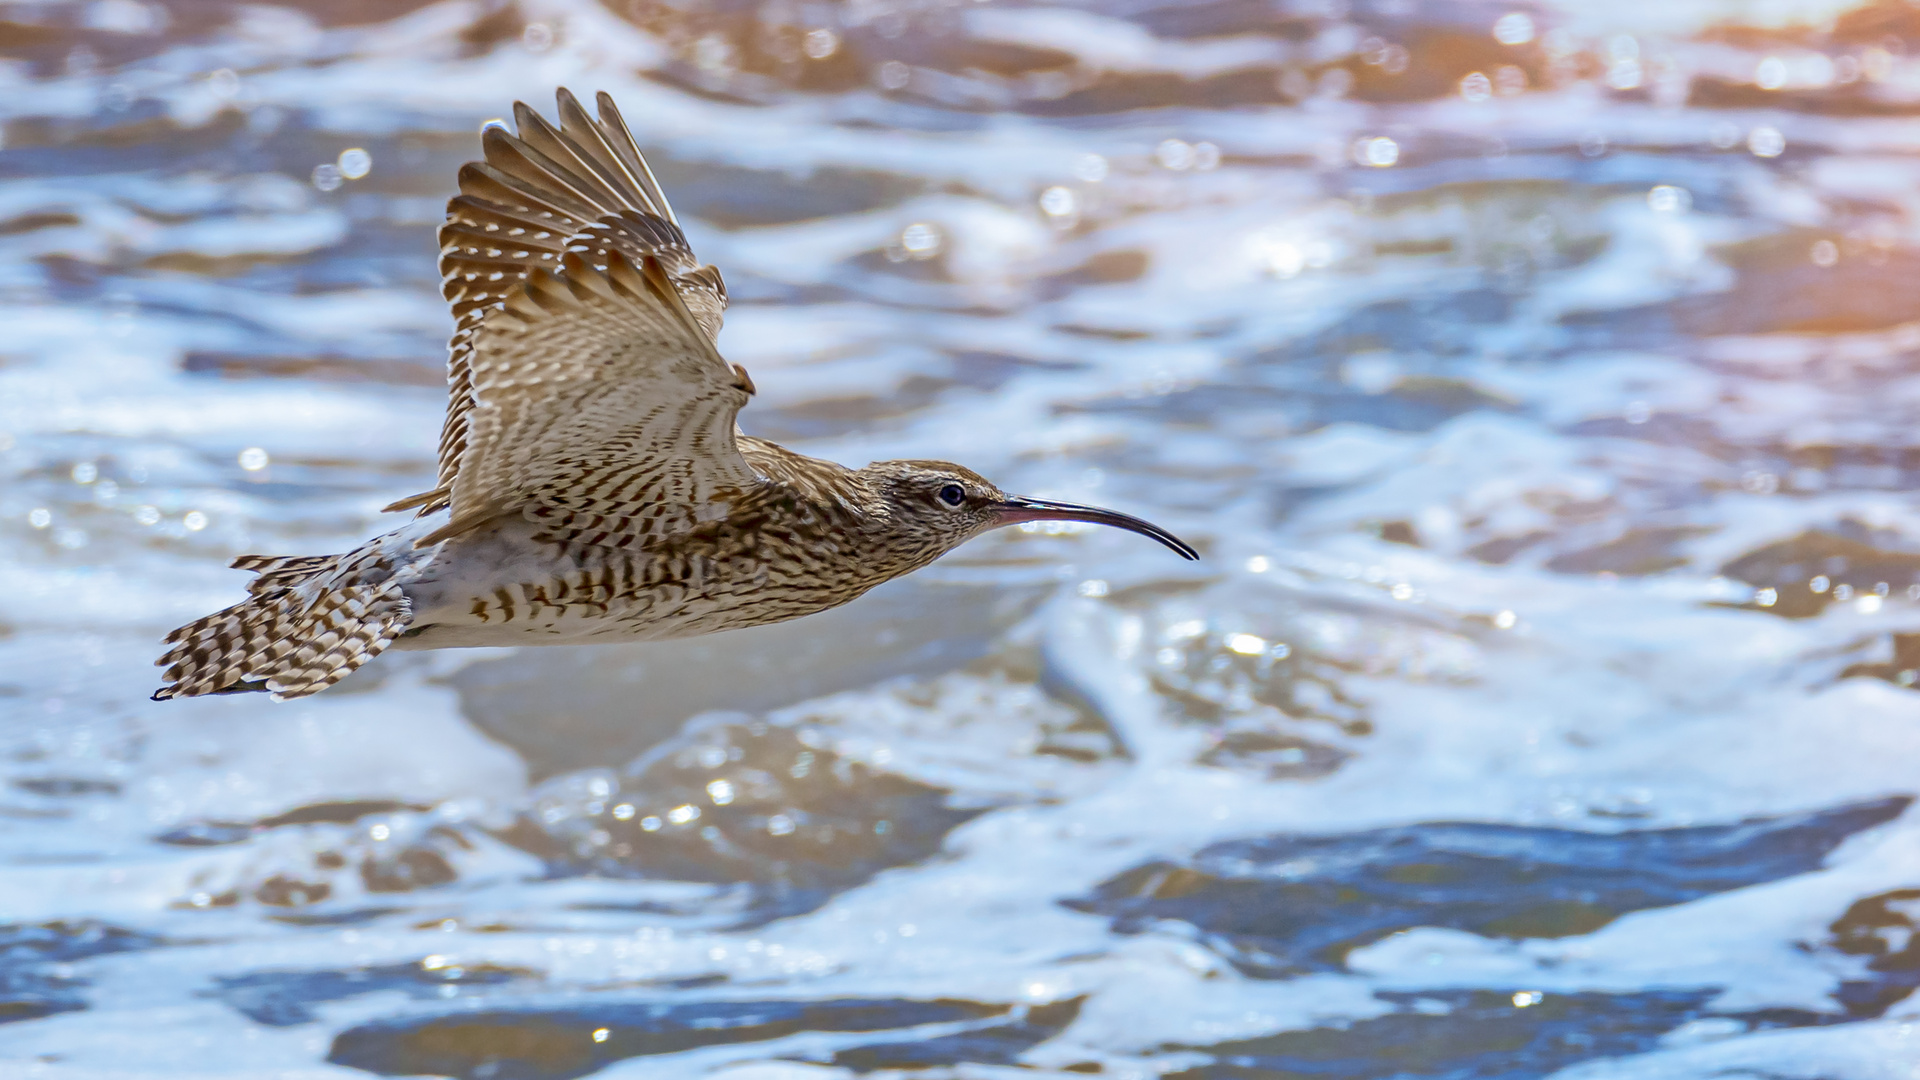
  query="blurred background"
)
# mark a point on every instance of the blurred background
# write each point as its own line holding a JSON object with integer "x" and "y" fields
{"x": 1539, "y": 381}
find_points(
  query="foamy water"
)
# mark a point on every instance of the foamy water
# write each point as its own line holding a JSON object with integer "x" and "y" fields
{"x": 1537, "y": 383}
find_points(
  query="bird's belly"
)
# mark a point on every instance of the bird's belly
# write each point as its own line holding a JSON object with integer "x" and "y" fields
{"x": 504, "y": 586}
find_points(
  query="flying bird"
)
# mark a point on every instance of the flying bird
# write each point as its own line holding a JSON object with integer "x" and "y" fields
{"x": 592, "y": 483}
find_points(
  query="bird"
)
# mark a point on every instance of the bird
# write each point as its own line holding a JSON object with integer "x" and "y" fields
{"x": 593, "y": 484}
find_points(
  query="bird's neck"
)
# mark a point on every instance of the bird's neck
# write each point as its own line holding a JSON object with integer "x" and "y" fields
{"x": 852, "y": 513}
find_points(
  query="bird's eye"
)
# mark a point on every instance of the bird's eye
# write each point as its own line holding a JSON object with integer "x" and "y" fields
{"x": 953, "y": 494}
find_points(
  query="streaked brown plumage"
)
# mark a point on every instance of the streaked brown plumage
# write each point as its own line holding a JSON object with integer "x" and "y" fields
{"x": 592, "y": 483}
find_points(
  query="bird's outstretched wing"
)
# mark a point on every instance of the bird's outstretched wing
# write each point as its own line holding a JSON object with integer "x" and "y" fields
{"x": 583, "y": 187}
{"x": 600, "y": 407}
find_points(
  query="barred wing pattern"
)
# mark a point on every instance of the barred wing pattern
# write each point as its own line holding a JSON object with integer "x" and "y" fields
{"x": 601, "y": 409}
{"x": 519, "y": 211}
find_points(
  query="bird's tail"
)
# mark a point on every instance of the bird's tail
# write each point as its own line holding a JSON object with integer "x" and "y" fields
{"x": 300, "y": 631}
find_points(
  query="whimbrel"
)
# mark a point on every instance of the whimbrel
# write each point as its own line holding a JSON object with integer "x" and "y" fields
{"x": 592, "y": 483}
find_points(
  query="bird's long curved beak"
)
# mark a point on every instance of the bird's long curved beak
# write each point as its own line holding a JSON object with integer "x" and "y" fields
{"x": 1014, "y": 510}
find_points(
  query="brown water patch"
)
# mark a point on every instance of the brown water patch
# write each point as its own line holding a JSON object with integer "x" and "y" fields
{"x": 1885, "y": 931}
{"x": 1839, "y": 566}
{"x": 571, "y": 1041}
{"x": 1781, "y": 288}
{"x": 324, "y": 368}
{"x": 1637, "y": 553}
{"x": 740, "y": 803}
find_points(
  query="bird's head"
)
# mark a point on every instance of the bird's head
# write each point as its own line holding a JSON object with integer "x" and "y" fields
{"x": 935, "y": 506}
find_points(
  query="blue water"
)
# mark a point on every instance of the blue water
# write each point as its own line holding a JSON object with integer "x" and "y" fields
{"x": 1538, "y": 382}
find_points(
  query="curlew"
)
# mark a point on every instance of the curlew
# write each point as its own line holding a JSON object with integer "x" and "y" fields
{"x": 592, "y": 484}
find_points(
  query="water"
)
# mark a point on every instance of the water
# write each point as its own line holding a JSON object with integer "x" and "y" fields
{"x": 1537, "y": 382}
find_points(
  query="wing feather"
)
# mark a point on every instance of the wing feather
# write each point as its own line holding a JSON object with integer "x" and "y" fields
{"x": 593, "y": 175}
{"x": 601, "y": 408}
{"x": 614, "y": 126}
{"x": 518, "y": 212}
{"x": 529, "y": 160}
{"x": 611, "y": 143}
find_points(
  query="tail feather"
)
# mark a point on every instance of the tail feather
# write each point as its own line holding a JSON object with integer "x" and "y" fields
{"x": 282, "y": 571}
{"x": 262, "y": 563}
{"x": 227, "y": 646}
{"x": 296, "y": 635}
{"x": 346, "y": 628}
